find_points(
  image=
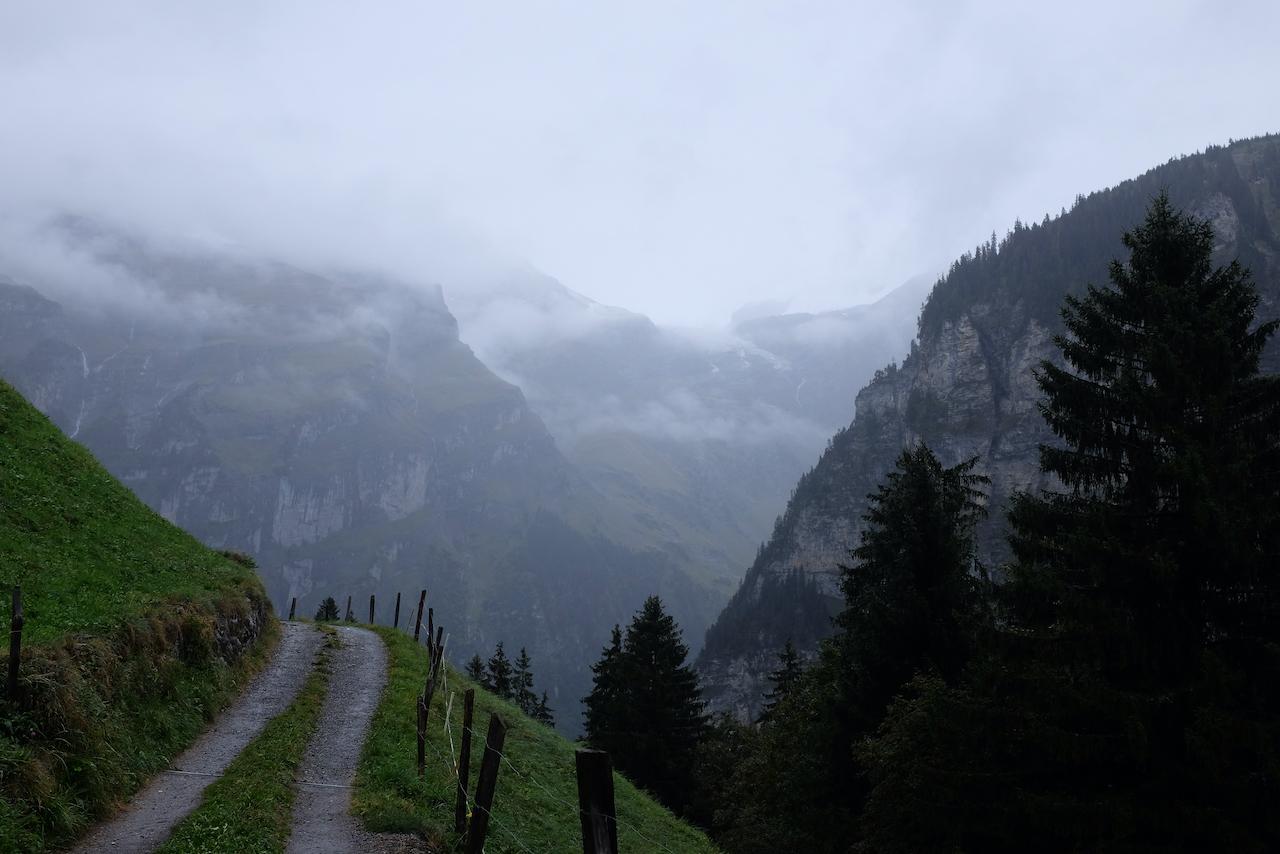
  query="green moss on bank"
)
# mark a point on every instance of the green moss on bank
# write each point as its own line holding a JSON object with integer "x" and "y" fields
{"x": 535, "y": 804}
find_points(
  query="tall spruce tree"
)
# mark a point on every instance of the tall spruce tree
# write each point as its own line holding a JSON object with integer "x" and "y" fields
{"x": 1149, "y": 580}
{"x": 522, "y": 684}
{"x": 783, "y": 679}
{"x": 645, "y": 708}
{"x": 476, "y": 671}
{"x": 543, "y": 712}
{"x": 912, "y": 596}
{"x": 604, "y": 710}
{"x": 499, "y": 672}
{"x": 914, "y": 605}
{"x": 1130, "y": 701}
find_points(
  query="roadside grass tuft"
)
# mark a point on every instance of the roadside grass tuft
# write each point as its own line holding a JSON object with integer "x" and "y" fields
{"x": 535, "y": 808}
{"x": 248, "y": 810}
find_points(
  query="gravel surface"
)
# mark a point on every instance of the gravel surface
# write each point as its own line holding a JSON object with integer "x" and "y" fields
{"x": 151, "y": 815}
{"x": 322, "y": 821}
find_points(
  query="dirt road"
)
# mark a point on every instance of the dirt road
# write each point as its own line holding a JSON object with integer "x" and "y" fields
{"x": 153, "y": 812}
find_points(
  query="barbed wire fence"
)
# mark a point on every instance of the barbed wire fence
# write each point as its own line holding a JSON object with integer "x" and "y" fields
{"x": 595, "y": 813}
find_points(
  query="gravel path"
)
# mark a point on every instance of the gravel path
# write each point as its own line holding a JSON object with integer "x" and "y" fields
{"x": 322, "y": 821}
{"x": 151, "y": 816}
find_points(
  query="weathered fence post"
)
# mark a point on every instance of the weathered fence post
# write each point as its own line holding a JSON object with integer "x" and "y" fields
{"x": 464, "y": 761}
{"x": 439, "y": 647}
{"x": 595, "y": 803}
{"x": 396, "y": 623}
{"x": 424, "y": 709}
{"x": 371, "y": 609}
{"x": 486, "y": 785}
{"x": 15, "y": 643}
{"x": 348, "y": 616}
{"x": 431, "y": 629}
{"x": 417, "y": 624}
{"x": 293, "y": 607}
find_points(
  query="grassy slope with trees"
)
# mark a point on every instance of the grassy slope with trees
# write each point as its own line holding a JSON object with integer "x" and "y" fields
{"x": 136, "y": 635}
{"x": 536, "y": 804}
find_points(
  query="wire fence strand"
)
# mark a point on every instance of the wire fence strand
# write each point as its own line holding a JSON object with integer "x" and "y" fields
{"x": 451, "y": 760}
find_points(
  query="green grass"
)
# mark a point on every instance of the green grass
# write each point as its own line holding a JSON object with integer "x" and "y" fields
{"x": 86, "y": 551}
{"x": 136, "y": 635}
{"x": 536, "y": 806}
{"x": 248, "y": 810}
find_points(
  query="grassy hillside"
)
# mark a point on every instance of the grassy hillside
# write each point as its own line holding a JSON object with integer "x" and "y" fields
{"x": 84, "y": 549}
{"x": 535, "y": 808}
{"x": 135, "y": 634}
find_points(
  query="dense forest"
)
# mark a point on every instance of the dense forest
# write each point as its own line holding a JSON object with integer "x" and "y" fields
{"x": 1118, "y": 691}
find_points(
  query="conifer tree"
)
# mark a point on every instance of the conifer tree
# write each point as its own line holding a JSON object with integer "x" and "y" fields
{"x": 543, "y": 712}
{"x": 1128, "y": 702}
{"x": 328, "y": 610}
{"x": 1158, "y": 556}
{"x": 499, "y": 672}
{"x": 645, "y": 708}
{"x": 477, "y": 672}
{"x": 912, "y": 600}
{"x": 522, "y": 684}
{"x": 913, "y": 605}
{"x": 783, "y": 679}
{"x": 603, "y": 708}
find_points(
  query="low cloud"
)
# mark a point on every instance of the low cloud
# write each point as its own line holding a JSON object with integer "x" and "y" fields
{"x": 681, "y": 415}
{"x": 676, "y": 160}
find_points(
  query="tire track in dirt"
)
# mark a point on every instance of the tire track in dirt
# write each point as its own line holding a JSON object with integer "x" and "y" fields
{"x": 322, "y": 820}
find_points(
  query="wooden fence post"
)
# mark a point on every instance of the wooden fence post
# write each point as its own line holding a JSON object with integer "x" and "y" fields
{"x": 431, "y": 628}
{"x": 424, "y": 710}
{"x": 293, "y": 607}
{"x": 439, "y": 647}
{"x": 396, "y": 623}
{"x": 417, "y": 624}
{"x": 486, "y": 785}
{"x": 15, "y": 643}
{"x": 371, "y": 609}
{"x": 348, "y": 615}
{"x": 595, "y": 803}
{"x": 464, "y": 761}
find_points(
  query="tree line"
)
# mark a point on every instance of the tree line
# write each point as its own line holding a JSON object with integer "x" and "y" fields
{"x": 511, "y": 681}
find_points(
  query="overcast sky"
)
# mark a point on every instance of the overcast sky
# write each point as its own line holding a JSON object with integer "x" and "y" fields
{"x": 679, "y": 159}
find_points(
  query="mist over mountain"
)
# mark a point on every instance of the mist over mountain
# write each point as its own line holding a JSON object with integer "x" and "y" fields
{"x": 694, "y": 437}
{"x": 336, "y": 427}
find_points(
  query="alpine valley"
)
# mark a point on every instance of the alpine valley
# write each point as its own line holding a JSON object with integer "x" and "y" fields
{"x": 337, "y": 427}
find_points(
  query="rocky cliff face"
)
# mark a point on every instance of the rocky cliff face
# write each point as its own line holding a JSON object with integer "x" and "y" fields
{"x": 968, "y": 389}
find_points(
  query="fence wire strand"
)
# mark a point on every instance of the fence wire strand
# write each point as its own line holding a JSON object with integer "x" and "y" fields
{"x": 451, "y": 761}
